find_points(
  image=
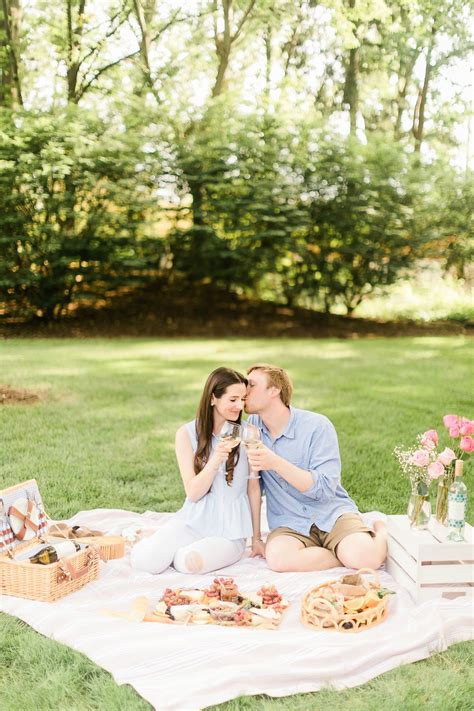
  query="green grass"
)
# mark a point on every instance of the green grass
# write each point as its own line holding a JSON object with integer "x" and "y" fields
{"x": 103, "y": 437}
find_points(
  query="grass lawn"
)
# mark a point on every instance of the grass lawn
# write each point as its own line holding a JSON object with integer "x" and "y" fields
{"x": 103, "y": 436}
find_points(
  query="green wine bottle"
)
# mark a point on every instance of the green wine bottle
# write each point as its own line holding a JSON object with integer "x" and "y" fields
{"x": 51, "y": 554}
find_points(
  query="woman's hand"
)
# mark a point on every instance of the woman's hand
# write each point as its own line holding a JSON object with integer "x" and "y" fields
{"x": 222, "y": 451}
{"x": 258, "y": 548}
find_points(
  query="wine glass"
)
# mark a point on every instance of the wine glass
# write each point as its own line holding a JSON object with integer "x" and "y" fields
{"x": 229, "y": 432}
{"x": 251, "y": 439}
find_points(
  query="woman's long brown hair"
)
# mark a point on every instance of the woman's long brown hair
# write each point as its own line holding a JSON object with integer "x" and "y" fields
{"x": 216, "y": 384}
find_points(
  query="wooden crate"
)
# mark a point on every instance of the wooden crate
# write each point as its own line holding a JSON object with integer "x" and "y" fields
{"x": 427, "y": 564}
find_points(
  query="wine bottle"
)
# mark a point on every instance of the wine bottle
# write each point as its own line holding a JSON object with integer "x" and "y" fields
{"x": 457, "y": 502}
{"x": 52, "y": 553}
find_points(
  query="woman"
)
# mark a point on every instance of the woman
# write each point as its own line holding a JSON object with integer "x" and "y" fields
{"x": 222, "y": 507}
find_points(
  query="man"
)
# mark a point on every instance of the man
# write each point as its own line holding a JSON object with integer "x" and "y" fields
{"x": 314, "y": 523}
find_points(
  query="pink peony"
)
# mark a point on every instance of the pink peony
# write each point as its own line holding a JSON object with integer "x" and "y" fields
{"x": 467, "y": 444}
{"x": 454, "y": 432}
{"x": 450, "y": 420}
{"x": 446, "y": 456}
{"x": 430, "y": 435}
{"x": 435, "y": 470}
{"x": 467, "y": 427}
{"x": 420, "y": 458}
{"x": 428, "y": 444}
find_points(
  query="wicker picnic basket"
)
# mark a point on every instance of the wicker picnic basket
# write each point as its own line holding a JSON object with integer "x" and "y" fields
{"x": 326, "y": 606}
{"x": 37, "y": 582}
{"x": 109, "y": 547}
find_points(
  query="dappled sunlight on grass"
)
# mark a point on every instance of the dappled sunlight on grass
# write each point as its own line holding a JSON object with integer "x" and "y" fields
{"x": 61, "y": 371}
{"x": 114, "y": 406}
{"x": 427, "y": 296}
{"x": 336, "y": 351}
{"x": 104, "y": 437}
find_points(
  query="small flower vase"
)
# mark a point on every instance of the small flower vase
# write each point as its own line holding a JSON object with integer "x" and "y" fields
{"x": 419, "y": 507}
{"x": 442, "y": 503}
{"x": 442, "y": 499}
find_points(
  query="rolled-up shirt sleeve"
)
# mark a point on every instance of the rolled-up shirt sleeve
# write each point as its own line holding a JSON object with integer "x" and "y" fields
{"x": 324, "y": 463}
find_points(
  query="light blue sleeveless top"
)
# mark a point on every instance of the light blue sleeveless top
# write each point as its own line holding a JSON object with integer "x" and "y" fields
{"x": 224, "y": 510}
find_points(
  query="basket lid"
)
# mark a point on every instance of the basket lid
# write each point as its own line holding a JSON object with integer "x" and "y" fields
{"x": 24, "y": 518}
{"x": 17, "y": 503}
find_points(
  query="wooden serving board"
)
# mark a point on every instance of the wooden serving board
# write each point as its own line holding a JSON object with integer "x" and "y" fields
{"x": 186, "y": 606}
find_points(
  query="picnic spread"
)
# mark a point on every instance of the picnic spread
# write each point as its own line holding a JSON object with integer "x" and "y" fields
{"x": 222, "y": 603}
{"x": 168, "y": 664}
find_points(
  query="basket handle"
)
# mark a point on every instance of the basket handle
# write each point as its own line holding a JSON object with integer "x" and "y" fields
{"x": 372, "y": 572}
{"x": 97, "y": 549}
{"x": 67, "y": 570}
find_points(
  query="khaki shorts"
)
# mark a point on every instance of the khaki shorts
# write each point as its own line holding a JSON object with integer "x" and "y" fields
{"x": 345, "y": 525}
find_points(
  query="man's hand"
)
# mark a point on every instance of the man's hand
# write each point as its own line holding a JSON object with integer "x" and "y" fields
{"x": 262, "y": 458}
{"x": 258, "y": 548}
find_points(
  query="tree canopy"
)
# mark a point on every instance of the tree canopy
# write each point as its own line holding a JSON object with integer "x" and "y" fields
{"x": 303, "y": 151}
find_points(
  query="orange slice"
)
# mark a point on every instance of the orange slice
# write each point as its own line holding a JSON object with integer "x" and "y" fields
{"x": 372, "y": 599}
{"x": 357, "y": 603}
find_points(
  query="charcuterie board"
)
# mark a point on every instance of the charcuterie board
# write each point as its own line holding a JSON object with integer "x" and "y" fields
{"x": 222, "y": 603}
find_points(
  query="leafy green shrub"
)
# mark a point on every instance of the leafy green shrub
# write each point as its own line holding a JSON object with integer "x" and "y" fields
{"x": 74, "y": 200}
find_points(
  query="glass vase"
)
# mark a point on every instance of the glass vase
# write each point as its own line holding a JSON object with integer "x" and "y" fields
{"x": 419, "y": 510}
{"x": 442, "y": 503}
{"x": 441, "y": 513}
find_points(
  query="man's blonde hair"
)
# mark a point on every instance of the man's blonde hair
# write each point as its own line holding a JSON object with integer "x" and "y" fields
{"x": 276, "y": 377}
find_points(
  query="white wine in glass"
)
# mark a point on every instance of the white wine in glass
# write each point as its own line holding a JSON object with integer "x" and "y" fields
{"x": 251, "y": 439}
{"x": 230, "y": 432}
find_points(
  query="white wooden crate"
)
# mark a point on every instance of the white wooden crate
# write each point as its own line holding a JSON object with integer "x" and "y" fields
{"x": 428, "y": 565}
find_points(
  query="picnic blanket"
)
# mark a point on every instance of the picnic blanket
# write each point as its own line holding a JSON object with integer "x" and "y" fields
{"x": 188, "y": 668}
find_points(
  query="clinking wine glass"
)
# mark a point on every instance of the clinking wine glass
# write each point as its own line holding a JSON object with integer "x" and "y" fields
{"x": 251, "y": 439}
{"x": 230, "y": 432}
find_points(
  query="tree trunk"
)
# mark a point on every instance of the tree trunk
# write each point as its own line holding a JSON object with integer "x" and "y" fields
{"x": 419, "y": 114}
{"x": 10, "y": 88}
{"x": 224, "y": 40}
{"x": 268, "y": 60}
{"x": 404, "y": 79}
{"x": 223, "y": 46}
{"x": 74, "y": 35}
{"x": 351, "y": 85}
{"x": 144, "y": 17}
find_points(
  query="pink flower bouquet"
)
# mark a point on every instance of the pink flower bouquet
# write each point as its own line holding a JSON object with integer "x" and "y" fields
{"x": 460, "y": 430}
{"x": 423, "y": 463}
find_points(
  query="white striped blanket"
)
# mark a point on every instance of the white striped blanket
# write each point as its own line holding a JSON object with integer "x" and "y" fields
{"x": 188, "y": 668}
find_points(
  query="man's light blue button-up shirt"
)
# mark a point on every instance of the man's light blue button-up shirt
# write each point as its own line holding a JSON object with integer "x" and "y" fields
{"x": 310, "y": 442}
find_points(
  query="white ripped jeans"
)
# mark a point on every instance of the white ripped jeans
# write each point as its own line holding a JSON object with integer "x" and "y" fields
{"x": 178, "y": 545}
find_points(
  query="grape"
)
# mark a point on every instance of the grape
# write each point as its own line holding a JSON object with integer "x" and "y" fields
{"x": 242, "y": 617}
{"x": 222, "y": 588}
{"x": 174, "y": 597}
{"x": 270, "y": 595}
